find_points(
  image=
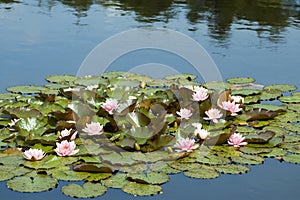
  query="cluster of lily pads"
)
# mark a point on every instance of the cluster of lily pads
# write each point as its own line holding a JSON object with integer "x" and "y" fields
{"x": 130, "y": 131}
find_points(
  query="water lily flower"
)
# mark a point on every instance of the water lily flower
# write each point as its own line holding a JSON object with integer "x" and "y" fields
{"x": 94, "y": 128}
{"x": 197, "y": 125}
{"x": 66, "y": 133}
{"x": 29, "y": 124}
{"x": 232, "y": 107}
{"x": 201, "y": 133}
{"x": 110, "y": 105}
{"x": 236, "y": 140}
{"x": 213, "y": 114}
{"x": 66, "y": 148}
{"x": 200, "y": 94}
{"x": 185, "y": 144}
{"x": 237, "y": 99}
{"x": 184, "y": 113}
{"x": 34, "y": 154}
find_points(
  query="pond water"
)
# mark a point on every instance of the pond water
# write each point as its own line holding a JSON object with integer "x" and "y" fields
{"x": 253, "y": 38}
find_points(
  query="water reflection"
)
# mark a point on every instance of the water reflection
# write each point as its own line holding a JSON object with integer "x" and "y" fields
{"x": 268, "y": 18}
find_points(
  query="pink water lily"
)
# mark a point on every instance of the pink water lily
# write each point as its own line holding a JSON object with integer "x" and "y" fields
{"x": 184, "y": 113}
{"x": 66, "y": 133}
{"x": 110, "y": 105}
{"x": 94, "y": 128}
{"x": 185, "y": 144}
{"x": 232, "y": 107}
{"x": 34, "y": 154}
{"x": 236, "y": 140}
{"x": 200, "y": 93}
{"x": 66, "y": 148}
{"x": 213, "y": 114}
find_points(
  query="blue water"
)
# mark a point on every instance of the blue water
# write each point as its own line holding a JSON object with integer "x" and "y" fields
{"x": 253, "y": 38}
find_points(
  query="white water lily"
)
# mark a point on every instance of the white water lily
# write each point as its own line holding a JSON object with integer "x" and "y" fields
{"x": 28, "y": 124}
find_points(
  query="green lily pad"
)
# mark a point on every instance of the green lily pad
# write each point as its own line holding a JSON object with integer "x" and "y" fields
{"x": 32, "y": 183}
{"x": 292, "y": 158}
{"x": 181, "y": 76}
{"x": 255, "y": 150}
{"x": 281, "y": 87}
{"x": 61, "y": 78}
{"x": 98, "y": 176}
{"x": 290, "y": 99}
{"x": 9, "y": 171}
{"x": 276, "y": 152}
{"x": 248, "y": 159}
{"x": 87, "y": 190}
{"x": 212, "y": 160}
{"x": 8, "y": 96}
{"x": 26, "y": 89}
{"x": 163, "y": 167}
{"x": 270, "y": 107}
{"x": 294, "y": 107}
{"x": 245, "y": 92}
{"x": 119, "y": 159}
{"x": 50, "y": 162}
{"x": 251, "y": 99}
{"x": 69, "y": 175}
{"x": 215, "y": 85}
{"x": 270, "y": 95}
{"x": 116, "y": 181}
{"x": 138, "y": 189}
{"x": 232, "y": 169}
{"x": 240, "y": 80}
{"x": 92, "y": 80}
{"x": 204, "y": 172}
{"x": 155, "y": 178}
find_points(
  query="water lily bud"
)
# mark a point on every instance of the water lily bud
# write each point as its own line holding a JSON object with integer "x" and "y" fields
{"x": 137, "y": 146}
{"x": 175, "y": 125}
{"x": 169, "y": 150}
{"x": 143, "y": 84}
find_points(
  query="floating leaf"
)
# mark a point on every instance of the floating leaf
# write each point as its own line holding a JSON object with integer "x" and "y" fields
{"x": 138, "y": 189}
{"x": 292, "y": 158}
{"x": 290, "y": 99}
{"x": 9, "y": 171}
{"x": 281, "y": 87}
{"x": 87, "y": 190}
{"x": 26, "y": 89}
{"x": 248, "y": 159}
{"x": 98, "y": 176}
{"x": 181, "y": 76}
{"x": 261, "y": 137}
{"x": 155, "y": 178}
{"x": 217, "y": 85}
{"x": 61, "y": 78}
{"x": 245, "y": 92}
{"x": 232, "y": 169}
{"x": 116, "y": 181}
{"x": 69, "y": 175}
{"x": 32, "y": 183}
{"x": 240, "y": 80}
{"x": 270, "y": 107}
{"x": 276, "y": 152}
{"x": 8, "y": 96}
{"x": 255, "y": 150}
{"x": 96, "y": 168}
{"x": 204, "y": 172}
{"x": 270, "y": 95}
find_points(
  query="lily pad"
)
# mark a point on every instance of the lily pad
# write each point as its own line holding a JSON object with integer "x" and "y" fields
{"x": 281, "y": 87}
{"x": 61, "y": 78}
{"x": 8, "y": 96}
{"x": 181, "y": 76}
{"x": 270, "y": 95}
{"x": 240, "y": 80}
{"x": 138, "y": 189}
{"x": 292, "y": 158}
{"x": 290, "y": 99}
{"x": 69, "y": 175}
{"x": 32, "y": 182}
{"x": 116, "y": 181}
{"x": 204, "y": 172}
{"x": 9, "y": 171}
{"x": 255, "y": 150}
{"x": 26, "y": 89}
{"x": 98, "y": 176}
{"x": 248, "y": 159}
{"x": 245, "y": 92}
{"x": 232, "y": 169}
{"x": 87, "y": 190}
{"x": 155, "y": 178}
{"x": 276, "y": 152}
{"x": 215, "y": 85}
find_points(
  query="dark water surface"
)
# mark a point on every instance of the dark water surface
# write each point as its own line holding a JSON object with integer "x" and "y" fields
{"x": 256, "y": 38}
